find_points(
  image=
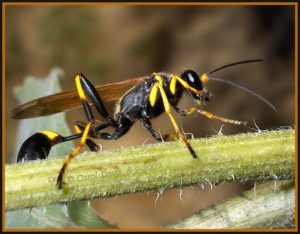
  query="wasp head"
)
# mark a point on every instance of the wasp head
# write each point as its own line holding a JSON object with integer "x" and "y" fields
{"x": 196, "y": 83}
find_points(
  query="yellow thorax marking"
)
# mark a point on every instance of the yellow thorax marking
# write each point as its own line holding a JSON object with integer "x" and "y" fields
{"x": 79, "y": 88}
{"x": 51, "y": 135}
{"x": 154, "y": 90}
{"x": 153, "y": 94}
{"x": 118, "y": 107}
{"x": 173, "y": 84}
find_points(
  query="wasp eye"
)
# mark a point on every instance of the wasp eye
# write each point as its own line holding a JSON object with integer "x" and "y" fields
{"x": 192, "y": 79}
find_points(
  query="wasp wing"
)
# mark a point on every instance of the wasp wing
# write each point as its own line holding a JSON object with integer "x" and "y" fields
{"x": 69, "y": 100}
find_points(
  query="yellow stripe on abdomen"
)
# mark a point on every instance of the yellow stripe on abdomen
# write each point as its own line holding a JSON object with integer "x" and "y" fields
{"x": 51, "y": 135}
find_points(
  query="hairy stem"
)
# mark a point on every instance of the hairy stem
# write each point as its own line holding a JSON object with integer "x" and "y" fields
{"x": 270, "y": 205}
{"x": 254, "y": 156}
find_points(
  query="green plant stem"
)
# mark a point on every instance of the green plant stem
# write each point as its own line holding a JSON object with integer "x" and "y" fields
{"x": 270, "y": 205}
{"x": 254, "y": 156}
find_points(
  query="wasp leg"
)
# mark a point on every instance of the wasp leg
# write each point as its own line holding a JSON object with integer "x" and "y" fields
{"x": 92, "y": 145}
{"x": 167, "y": 137}
{"x": 170, "y": 137}
{"x": 72, "y": 155}
{"x": 81, "y": 125}
{"x": 119, "y": 131}
{"x": 124, "y": 124}
{"x": 91, "y": 119}
{"x": 225, "y": 120}
{"x": 86, "y": 89}
{"x": 209, "y": 115}
{"x": 169, "y": 113}
{"x": 147, "y": 124}
{"x": 82, "y": 95}
{"x": 185, "y": 112}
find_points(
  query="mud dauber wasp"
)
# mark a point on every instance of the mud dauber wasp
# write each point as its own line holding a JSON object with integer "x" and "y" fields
{"x": 139, "y": 99}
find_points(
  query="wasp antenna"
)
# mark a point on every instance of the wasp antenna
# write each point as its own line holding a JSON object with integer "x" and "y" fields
{"x": 245, "y": 89}
{"x": 234, "y": 64}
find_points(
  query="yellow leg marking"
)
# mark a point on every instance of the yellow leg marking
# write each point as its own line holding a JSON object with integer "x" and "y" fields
{"x": 79, "y": 88}
{"x": 170, "y": 137}
{"x": 72, "y": 155}
{"x": 191, "y": 110}
{"x": 168, "y": 111}
{"x": 77, "y": 129}
{"x": 212, "y": 116}
{"x": 85, "y": 133}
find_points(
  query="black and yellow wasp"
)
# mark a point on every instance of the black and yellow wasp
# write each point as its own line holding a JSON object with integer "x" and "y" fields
{"x": 144, "y": 98}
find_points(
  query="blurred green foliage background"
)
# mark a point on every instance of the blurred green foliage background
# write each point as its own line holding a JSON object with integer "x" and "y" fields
{"x": 114, "y": 42}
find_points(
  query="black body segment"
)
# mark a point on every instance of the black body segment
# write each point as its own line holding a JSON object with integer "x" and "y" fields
{"x": 35, "y": 147}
